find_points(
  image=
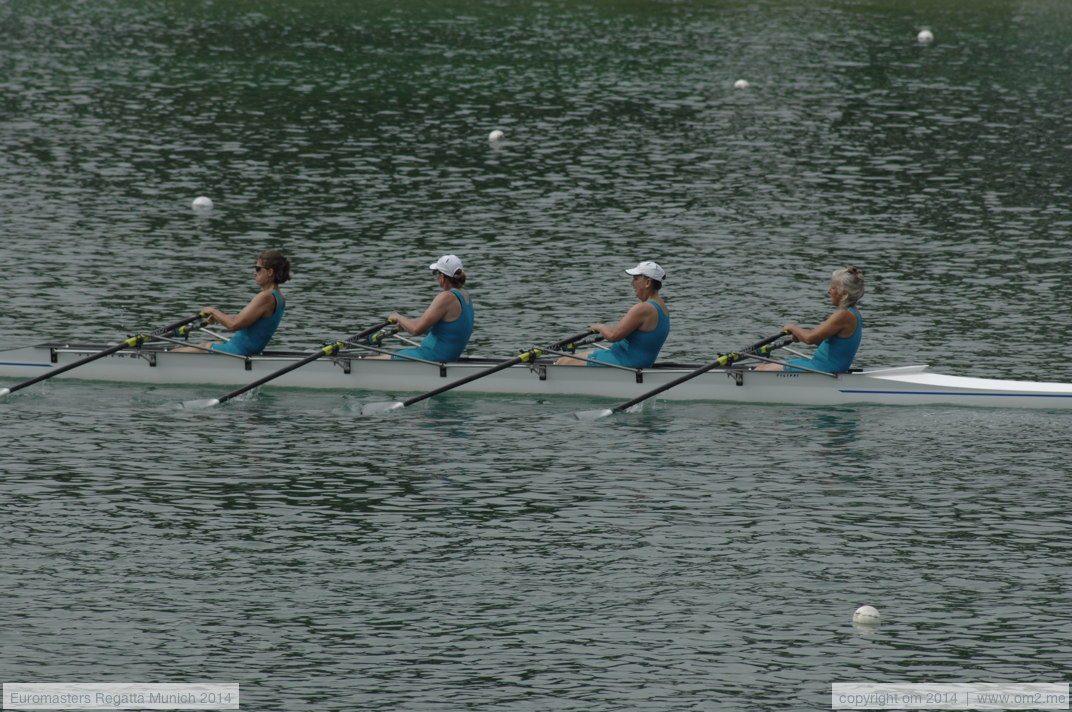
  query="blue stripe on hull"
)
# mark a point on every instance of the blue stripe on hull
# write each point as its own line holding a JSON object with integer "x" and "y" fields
{"x": 958, "y": 393}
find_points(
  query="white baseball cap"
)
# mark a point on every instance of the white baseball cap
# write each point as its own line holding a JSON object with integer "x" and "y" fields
{"x": 649, "y": 269}
{"x": 449, "y": 265}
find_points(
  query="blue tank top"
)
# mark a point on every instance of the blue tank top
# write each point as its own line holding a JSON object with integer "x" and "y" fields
{"x": 256, "y": 336}
{"x": 639, "y": 349}
{"x": 446, "y": 340}
{"x": 835, "y": 354}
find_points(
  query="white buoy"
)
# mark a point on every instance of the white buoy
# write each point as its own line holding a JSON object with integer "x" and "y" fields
{"x": 925, "y": 37}
{"x": 495, "y": 135}
{"x": 202, "y": 203}
{"x": 866, "y": 615}
{"x": 741, "y": 84}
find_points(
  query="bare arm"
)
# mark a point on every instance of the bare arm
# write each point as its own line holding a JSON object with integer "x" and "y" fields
{"x": 441, "y": 307}
{"x": 637, "y": 316}
{"x": 841, "y": 323}
{"x": 260, "y": 306}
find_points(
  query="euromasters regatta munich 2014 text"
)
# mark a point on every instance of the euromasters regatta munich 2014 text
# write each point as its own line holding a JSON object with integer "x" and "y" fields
{"x": 101, "y": 698}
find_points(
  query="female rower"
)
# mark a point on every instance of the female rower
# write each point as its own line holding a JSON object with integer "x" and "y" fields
{"x": 640, "y": 334}
{"x": 839, "y": 336}
{"x": 257, "y": 322}
{"x": 448, "y": 320}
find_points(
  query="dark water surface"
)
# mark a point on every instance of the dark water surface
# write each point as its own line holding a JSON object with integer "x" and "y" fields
{"x": 492, "y": 553}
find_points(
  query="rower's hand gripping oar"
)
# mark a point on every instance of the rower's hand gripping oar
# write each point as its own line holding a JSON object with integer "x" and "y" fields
{"x": 524, "y": 357}
{"x": 328, "y": 350}
{"x": 762, "y": 347}
{"x": 132, "y": 343}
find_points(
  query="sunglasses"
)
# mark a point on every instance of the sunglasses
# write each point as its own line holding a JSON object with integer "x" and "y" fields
{"x": 258, "y": 268}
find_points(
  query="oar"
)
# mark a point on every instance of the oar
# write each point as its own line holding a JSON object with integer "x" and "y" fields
{"x": 329, "y": 350}
{"x": 724, "y": 360}
{"x": 524, "y": 357}
{"x": 132, "y": 343}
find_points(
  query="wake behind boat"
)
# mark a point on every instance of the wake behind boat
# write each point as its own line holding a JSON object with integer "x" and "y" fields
{"x": 349, "y": 371}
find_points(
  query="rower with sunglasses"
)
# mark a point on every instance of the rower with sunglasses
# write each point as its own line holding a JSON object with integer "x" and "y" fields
{"x": 257, "y": 322}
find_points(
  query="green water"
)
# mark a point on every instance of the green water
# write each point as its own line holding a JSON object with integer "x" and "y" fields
{"x": 492, "y": 553}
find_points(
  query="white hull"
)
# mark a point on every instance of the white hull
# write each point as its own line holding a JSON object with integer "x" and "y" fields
{"x": 907, "y": 385}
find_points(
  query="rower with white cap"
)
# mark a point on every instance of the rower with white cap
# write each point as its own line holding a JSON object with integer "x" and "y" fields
{"x": 640, "y": 334}
{"x": 448, "y": 320}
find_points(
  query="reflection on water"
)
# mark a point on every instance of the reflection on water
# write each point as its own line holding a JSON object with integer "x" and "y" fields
{"x": 836, "y": 429}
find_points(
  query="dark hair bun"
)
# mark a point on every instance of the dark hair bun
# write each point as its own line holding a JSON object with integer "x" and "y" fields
{"x": 275, "y": 261}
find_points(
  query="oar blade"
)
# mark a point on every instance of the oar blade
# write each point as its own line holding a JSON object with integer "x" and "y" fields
{"x": 4, "y": 392}
{"x": 586, "y": 415}
{"x": 199, "y": 404}
{"x": 380, "y": 407}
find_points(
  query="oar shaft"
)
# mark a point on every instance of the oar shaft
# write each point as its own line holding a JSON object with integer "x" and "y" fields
{"x": 461, "y": 381}
{"x": 130, "y": 343}
{"x": 530, "y": 354}
{"x": 677, "y": 381}
{"x": 724, "y": 360}
{"x": 329, "y": 350}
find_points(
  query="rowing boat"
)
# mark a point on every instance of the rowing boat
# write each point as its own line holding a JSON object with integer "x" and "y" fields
{"x": 348, "y": 370}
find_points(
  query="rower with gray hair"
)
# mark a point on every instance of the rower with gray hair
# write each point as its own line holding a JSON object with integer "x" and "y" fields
{"x": 839, "y": 336}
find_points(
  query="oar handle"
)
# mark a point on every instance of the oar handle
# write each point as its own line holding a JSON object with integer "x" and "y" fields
{"x": 328, "y": 350}
{"x": 768, "y": 340}
{"x": 182, "y": 322}
{"x": 721, "y": 361}
{"x": 534, "y": 353}
{"x": 371, "y": 330}
{"x": 524, "y": 357}
{"x": 132, "y": 342}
